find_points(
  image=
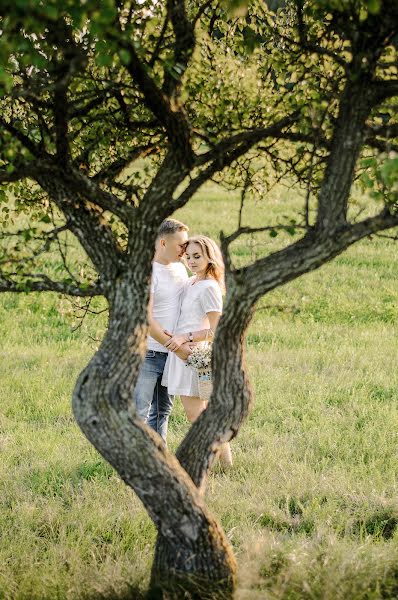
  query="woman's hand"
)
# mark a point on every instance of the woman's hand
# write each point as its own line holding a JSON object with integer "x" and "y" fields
{"x": 184, "y": 351}
{"x": 175, "y": 342}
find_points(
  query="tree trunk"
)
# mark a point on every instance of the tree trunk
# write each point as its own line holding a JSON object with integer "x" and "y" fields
{"x": 231, "y": 396}
{"x": 196, "y": 554}
{"x": 348, "y": 134}
{"x": 207, "y": 570}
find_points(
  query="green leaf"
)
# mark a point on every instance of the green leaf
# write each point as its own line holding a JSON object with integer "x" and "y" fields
{"x": 366, "y": 181}
{"x": 104, "y": 60}
{"x": 124, "y": 56}
{"x": 368, "y": 162}
{"x": 374, "y": 6}
{"x": 38, "y": 61}
{"x": 236, "y": 8}
{"x": 50, "y": 11}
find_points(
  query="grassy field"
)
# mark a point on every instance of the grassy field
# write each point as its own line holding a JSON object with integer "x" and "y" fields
{"x": 311, "y": 504}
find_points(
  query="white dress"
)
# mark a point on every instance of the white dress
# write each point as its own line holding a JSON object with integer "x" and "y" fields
{"x": 197, "y": 300}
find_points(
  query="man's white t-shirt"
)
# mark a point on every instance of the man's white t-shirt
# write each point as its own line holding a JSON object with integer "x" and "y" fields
{"x": 166, "y": 288}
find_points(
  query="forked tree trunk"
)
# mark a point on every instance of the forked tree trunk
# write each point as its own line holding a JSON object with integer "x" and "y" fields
{"x": 219, "y": 423}
{"x": 196, "y": 557}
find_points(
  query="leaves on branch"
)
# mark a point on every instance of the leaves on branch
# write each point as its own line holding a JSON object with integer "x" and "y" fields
{"x": 96, "y": 103}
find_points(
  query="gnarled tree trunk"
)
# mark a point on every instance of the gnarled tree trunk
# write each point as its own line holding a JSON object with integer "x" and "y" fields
{"x": 196, "y": 554}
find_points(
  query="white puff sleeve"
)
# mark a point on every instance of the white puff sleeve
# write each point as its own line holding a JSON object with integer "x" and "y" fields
{"x": 211, "y": 299}
{"x": 154, "y": 283}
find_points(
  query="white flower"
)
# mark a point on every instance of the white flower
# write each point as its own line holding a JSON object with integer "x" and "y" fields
{"x": 200, "y": 357}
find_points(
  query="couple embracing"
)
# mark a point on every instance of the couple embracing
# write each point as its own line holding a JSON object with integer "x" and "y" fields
{"x": 183, "y": 312}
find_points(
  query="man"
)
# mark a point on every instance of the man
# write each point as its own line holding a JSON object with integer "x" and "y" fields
{"x": 153, "y": 404}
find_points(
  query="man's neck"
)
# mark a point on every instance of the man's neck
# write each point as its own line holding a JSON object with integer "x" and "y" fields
{"x": 159, "y": 259}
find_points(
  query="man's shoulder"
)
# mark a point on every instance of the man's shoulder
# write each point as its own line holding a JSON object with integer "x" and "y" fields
{"x": 175, "y": 273}
{"x": 178, "y": 269}
{"x": 174, "y": 266}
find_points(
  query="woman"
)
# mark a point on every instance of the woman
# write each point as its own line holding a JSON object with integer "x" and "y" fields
{"x": 201, "y": 309}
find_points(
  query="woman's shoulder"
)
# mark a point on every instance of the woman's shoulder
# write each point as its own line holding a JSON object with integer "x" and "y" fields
{"x": 202, "y": 286}
{"x": 203, "y": 283}
{"x": 211, "y": 283}
{"x": 212, "y": 287}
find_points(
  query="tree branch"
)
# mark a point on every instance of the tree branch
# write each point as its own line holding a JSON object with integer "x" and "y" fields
{"x": 115, "y": 168}
{"x": 201, "y": 11}
{"x": 21, "y": 172}
{"x": 174, "y": 121}
{"x": 81, "y": 111}
{"x": 227, "y": 240}
{"x": 309, "y": 253}
{"x": 90, "y": 189}
{"x": 159, "y": 42}
{"x": 86, "y": 220}
{"x": 21, "y": 137}
{"x": 309, "y": 46}
{"x": 387, "y": 131}
{"x": 247, "y": 138}
{"x": 381, "y": 145}
{"x": 356, "y": 103}
{"x": 224, "y": 154}
{"x": 385, "y": 89}
{"x": 38, "y": 282}
{"x": 183, "y": 46}
{"x": 60, "y": 109}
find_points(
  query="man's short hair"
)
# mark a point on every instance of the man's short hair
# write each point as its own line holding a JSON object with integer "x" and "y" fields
{"x": 170, "y": 226}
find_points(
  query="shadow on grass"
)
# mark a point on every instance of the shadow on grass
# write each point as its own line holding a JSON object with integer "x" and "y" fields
{"x": 381, "y": 524}
{"x": 132, "y": 593}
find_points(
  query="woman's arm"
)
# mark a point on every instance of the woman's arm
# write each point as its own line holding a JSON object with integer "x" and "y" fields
{"x": 176, "y": 341}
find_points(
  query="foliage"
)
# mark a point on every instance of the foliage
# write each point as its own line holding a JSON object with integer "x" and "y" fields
{"x": 284, "y": 58}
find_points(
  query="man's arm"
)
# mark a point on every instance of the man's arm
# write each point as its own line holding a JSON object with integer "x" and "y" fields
{"x": 157, "y": 332}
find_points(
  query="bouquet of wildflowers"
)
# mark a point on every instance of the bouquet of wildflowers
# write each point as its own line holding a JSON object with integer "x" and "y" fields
{"x": 200, "y": 357}
{"x": 200, "y": 360}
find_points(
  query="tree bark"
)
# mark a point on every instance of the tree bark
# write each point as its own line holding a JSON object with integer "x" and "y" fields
{"x": 196, "y": 554}
{"x": 206, "y": 571}
{"x": 348, "y": 136}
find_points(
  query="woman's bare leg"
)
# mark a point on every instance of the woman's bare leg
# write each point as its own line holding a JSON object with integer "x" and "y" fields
{"x": 193, "y": 406}
{"x": 225, "y": 455}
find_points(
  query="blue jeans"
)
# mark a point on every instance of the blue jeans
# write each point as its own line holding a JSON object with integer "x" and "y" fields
{"x": 153, "y": 403}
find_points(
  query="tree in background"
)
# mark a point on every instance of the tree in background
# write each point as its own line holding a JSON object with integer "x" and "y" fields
{"x": 112, "y": 116}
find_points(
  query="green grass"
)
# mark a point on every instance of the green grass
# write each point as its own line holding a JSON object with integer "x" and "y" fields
{"x": 311, "y": 504}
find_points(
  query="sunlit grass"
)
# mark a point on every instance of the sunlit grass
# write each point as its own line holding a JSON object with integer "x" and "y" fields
{"x": 311, "y": 503}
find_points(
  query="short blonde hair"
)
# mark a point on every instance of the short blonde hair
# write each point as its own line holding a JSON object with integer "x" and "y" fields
{"x": 211, "y": 251}
{"x": 171, "y": 226}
